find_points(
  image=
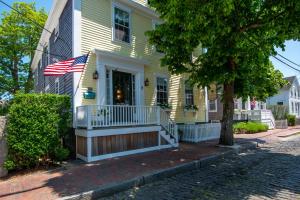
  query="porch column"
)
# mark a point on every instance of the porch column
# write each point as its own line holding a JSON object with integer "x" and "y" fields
{"x": 206, "y": 104}
{"x": 101, "y": 83}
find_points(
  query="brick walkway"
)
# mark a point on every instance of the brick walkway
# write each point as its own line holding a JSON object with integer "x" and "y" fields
{"x": 79, "y": 177}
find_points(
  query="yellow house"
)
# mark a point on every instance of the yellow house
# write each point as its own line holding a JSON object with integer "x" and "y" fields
{"x": 124, "y": 102}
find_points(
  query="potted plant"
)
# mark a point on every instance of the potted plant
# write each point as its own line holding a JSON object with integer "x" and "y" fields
{"x": 190, "y": 108}
{"x": 165, "y": 106}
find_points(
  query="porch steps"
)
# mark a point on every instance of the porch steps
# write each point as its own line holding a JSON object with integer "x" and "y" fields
{"x": 168, "y": 138}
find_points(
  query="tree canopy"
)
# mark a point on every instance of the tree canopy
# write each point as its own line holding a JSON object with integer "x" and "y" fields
{"x": 238, "y": 36}
{"x": 19, "y": 37}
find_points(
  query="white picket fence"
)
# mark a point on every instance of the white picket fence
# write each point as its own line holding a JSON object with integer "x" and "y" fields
{"x": 281, "y": 124}
{"x": 199, "y": 132}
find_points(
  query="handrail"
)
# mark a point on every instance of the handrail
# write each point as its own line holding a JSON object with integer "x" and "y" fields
{"x": 168, "y": 124}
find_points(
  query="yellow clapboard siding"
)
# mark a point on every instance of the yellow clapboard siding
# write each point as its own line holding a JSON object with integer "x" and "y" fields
{"x": 97, "y": 33}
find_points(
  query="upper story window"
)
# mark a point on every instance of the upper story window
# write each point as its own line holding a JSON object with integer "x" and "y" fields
{"x": 189, "y": 94}
{"x": 56, "y": 32}
{"x": 56, "y": 86}
{"x": 212, "y": 107}
{"x": 155, "y": 25}
{"x": 121, "y": 25}
{"x": 161, "y": 90}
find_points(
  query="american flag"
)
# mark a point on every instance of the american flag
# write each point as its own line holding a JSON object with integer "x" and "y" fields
{"x": 71, "y": 65}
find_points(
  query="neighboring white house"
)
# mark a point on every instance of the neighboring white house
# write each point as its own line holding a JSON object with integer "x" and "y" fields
{"x": 288, "y": 96}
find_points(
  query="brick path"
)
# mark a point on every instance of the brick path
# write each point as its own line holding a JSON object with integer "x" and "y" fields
{"x": 79, "y": 177}
{"x": 267, "y": 173}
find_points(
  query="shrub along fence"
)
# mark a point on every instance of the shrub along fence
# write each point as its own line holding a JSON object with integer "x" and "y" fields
{"x": 36, "y": 125}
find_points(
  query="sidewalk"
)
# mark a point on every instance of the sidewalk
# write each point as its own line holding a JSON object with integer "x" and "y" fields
{"x": 78, "y": 177}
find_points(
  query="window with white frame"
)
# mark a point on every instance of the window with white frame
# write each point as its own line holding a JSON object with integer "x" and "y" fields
{"x": 212, "y": 105}
{"x": 189, "y": 94}
{"x": 56, "y": 32}
{"x": 37, "y": 72}
{"x": 236, "y": 104}
{"x": 121, "y": 25}
{"x": 161, "y": 90}
{"x": 156, "y": 24}
{"x": 56, "y": 86}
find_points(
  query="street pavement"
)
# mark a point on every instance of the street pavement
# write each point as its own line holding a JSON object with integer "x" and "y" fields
{"x": 269, "y": 172}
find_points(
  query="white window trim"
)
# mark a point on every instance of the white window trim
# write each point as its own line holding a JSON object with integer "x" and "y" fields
{"x": 56, "y": 31}
{"x": 58, "y": 84}
{"x": 185, "y": 93}
{"x": 47, "y": 88}
{"x": 168, "y": 86}
{"x": 126, "y": 9}
{"x": 216, "y": 105}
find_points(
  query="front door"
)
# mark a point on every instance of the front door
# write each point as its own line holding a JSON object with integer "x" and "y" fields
{"x": 122, "y": 88}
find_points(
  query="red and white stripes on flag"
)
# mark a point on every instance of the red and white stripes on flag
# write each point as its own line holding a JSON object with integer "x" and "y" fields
{"x": 71, "y": 65}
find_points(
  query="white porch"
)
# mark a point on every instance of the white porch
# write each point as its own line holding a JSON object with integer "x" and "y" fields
{"x": 106, "y": 131}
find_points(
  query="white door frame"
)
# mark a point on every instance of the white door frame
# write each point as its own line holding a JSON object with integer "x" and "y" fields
{"x": 112, "y": 61}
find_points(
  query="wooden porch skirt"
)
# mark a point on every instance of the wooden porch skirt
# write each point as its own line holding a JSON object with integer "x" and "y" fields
{"x": 103, "y": 145}
{"x": 118, "y": 143}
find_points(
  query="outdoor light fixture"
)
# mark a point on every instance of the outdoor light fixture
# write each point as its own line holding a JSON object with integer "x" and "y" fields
{"x": 147, "y": 82}
{"x": 95, "y": 75}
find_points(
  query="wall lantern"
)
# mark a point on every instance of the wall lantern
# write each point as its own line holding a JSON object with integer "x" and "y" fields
{"x": 147, "y": 82}
{"x": 95, "y": 75}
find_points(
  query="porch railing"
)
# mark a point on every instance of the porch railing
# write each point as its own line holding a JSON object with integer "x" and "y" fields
{"x": 200, "y": 132}
{"x": 101, "y": 116}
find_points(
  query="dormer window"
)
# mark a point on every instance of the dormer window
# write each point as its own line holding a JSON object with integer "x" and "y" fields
{"x": 121, "y": 25}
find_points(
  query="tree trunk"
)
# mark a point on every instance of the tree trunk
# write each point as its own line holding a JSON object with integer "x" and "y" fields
{"x": 15, "y": 76}
{"x": 228, "y": 111}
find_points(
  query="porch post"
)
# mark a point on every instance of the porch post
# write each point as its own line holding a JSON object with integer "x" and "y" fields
{"x": 206, "y": 104}
{"x": 101, "y": 83}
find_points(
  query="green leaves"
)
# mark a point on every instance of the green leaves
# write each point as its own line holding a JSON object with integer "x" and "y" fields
{"x": 37, "y": 122}
{"x": 19, "y": 37}
{"x": 242, "y": 31}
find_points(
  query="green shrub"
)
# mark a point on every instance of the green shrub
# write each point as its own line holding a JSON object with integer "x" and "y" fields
{"x": 61, "y": 154}
{"x": 4, "y": 106}
{"x": 291, "y": 120}
{"x": 249, "y": 127}
{"x": 36, "y": 124}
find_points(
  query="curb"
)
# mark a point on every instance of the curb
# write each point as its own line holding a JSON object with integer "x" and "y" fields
{"x": 113, "y": 188}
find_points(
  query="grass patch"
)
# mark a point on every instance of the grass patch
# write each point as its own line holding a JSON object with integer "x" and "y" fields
{"x": 249, "y": 127}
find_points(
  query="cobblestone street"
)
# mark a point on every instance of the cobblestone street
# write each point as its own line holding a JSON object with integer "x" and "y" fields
{"x": 269, "y": 172}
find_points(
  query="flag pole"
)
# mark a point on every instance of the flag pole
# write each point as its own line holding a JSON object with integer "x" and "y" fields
{"x": 81, "y": 75}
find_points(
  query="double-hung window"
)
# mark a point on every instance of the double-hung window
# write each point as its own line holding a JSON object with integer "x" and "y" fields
{"x": 212, "y": 105}
{"x": 121, "y": 25}
{"x": 161, "y": 90}
{"x": 56, "y": 86}
{"x": 189, "y": 94}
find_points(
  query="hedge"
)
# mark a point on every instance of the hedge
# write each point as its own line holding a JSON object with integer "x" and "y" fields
{"x": 249, "y": 127}
{"x": 36, "y": 125}
{"x": 291, "y": 120}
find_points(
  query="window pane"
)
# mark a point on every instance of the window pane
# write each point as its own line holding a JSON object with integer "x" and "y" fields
{"x": 122, "y": 31}
{"x": 162, "y": 90}
{"x": 189, "y": 94}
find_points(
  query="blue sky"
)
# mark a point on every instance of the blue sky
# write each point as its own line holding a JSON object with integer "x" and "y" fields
{"x": 292, "y": 50}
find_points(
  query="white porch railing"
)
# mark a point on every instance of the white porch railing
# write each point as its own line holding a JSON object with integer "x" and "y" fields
{"x": 97, "y": 116}
{"x": 101, "y": 116}
{"x": 200, "y": 132}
